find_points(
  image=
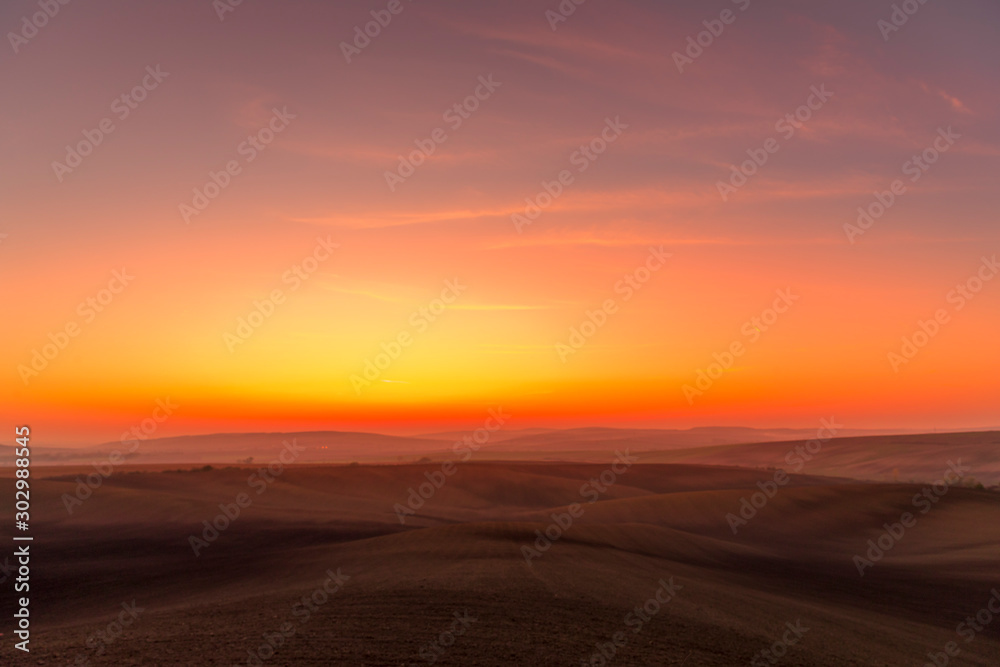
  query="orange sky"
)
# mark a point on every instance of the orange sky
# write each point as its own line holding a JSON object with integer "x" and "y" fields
{"x": 321, "y": 181}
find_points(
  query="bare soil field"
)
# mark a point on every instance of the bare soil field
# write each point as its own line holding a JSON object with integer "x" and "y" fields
{"x": 505, "y": 563}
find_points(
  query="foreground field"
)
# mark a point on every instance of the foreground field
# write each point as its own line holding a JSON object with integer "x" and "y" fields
{"x": 318, "y": 568}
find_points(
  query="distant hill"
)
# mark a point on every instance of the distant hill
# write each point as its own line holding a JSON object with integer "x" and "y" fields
{"x": 896, "y": 457}
{"x": 889, "y": 458}
{"x": 320, "y": 446}
{"x": 345, "y": 446}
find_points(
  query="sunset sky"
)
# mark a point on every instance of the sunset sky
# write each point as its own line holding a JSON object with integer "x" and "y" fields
{"x": 344, "y": 125}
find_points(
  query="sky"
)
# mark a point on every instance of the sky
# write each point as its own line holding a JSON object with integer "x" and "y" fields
{"x": 283, "y": 224}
